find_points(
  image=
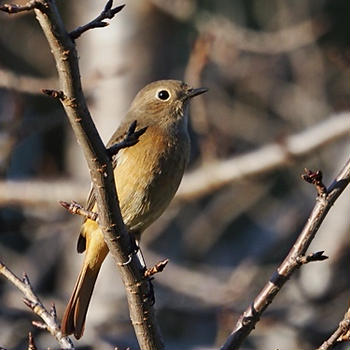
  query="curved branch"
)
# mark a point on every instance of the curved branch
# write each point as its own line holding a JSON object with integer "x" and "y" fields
{"x": 292, "y": 262}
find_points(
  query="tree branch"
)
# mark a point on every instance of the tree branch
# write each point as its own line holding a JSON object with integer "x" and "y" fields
{"x": 138, "y": 289}
{"x": 32, "y": 301}
{"x": 101, "y": 170}
{"x": 108, "y": 12}
{"x": 294, "y": 259}
{"x": 217, "y": 174}
{"x": 342, "y": 333}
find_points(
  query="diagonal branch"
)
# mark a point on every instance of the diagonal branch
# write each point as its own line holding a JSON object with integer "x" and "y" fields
{"x": 295, "y": 258}
{"x": 31, "y": 300}
{"x": 342, "y": 333}
{"x": 108, "y": 12}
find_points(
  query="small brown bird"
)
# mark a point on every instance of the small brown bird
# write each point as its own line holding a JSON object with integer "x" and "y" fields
{"x": 147, "y": 175}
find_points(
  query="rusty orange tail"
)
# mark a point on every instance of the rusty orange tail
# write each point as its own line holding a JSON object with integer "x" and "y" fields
{"x": 73, "y": 320}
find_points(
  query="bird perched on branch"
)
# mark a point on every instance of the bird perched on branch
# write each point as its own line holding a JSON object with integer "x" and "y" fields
{"x": 147, "y": 175}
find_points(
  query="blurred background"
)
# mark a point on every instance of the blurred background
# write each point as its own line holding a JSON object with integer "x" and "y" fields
{"x": 278, "y": 101}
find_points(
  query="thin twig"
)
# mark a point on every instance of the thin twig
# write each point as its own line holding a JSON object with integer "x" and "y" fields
{"x": 108, "y": 12}
{"x": 32, "y": 301}
{"x": 315, "y": 178}
{"x": 318, "y": 256}
{"x": 159, "y": 267}
{"x": 54, "y": 93}
{"x": 340, "y": 334}
{"x": 292, "y": 262}
{"x": 77, "y": 209}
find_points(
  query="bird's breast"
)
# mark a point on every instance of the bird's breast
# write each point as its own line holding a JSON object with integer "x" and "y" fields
{"x": 148, "y": 174}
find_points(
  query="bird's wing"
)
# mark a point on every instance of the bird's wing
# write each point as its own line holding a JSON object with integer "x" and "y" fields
{"x": 118, "y": 135}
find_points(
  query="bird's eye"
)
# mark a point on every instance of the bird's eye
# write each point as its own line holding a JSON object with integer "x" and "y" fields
{"x": 163, "y": 95}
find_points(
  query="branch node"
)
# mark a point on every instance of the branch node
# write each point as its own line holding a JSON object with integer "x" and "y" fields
{"x": 53, "y": 311}
{"x": 304, "y": 259}
{"x": 40, "y": 325}
{"x": 77, "y": 209}
{"x": 26, "y": 279}
{"x": 31, "y": 343}
{"x": 159, "y": 267}
{"x": 57, "y": 94}
{"x": 315, "y": 178}
{"x": 29, "y": 303}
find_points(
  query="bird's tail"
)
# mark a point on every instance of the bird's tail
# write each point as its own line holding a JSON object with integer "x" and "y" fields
{"x": 73, "y": 320}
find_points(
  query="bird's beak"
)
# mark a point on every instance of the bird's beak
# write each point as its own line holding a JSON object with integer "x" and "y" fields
{"x": 195, "y": 92}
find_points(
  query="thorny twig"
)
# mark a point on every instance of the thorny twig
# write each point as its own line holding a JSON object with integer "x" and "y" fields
{"x": 32, "y": 301}
{"x": 342, "y": 333}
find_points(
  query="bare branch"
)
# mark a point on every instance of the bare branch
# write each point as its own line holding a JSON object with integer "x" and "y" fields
{"x": 217, "y": 174}
{"x": 32, "y": 301}
{"x": 341, "y": 334}
{"x": 108, "y": 12}
{"x": 24, "y": 83}
{"x": 284, "y": 40}
{"x": 99, "y": 161}
{"x": 294, "y": 259}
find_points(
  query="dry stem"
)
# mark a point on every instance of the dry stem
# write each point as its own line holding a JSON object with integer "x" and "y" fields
{"x": 32, "y": 301}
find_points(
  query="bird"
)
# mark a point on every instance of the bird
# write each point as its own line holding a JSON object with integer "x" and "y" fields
{"x": 147, "y": 176}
